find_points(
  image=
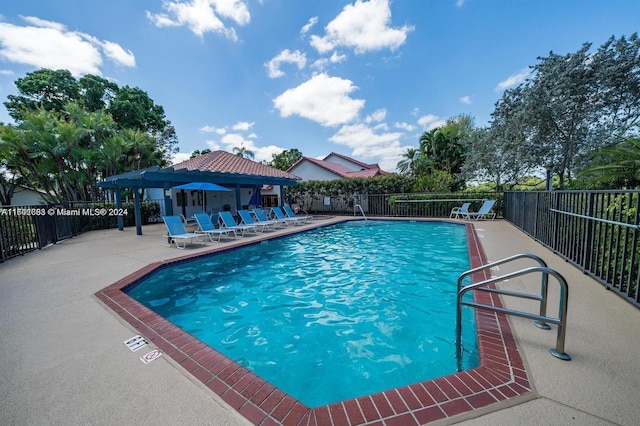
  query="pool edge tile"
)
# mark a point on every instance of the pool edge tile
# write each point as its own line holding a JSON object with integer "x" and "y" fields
{"x": 500, "y": 376}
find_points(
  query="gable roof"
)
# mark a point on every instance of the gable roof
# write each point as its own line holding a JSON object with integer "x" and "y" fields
{"x": 218, "y": 167}
{"x": 368, "y": 170}
{"x": 225, "y": 162}
{"x": 354, "y": 161}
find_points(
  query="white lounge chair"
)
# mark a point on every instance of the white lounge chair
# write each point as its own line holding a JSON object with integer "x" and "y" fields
{"x": 456, "y": 212}
{"x": 247, "y": 219}
{"x": 484, "y": 212}
{"x": 277, "y": 211}
{"x": 229, "y": 222}
{"x": 261, "y": 217}
{"x": 176, "y": 233}
{"x": 290, "y": 213}
{"x": 206, "y": 227}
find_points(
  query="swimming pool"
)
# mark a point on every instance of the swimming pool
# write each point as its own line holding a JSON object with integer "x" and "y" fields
{"x": 500, "y": 377}
{"x": 379, "y": 295}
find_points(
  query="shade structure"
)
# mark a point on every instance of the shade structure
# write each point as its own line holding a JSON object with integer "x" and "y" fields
{"x": 203, "y": 186}
{"x": 200, "y": 186}
{"x": 256, "y": 197}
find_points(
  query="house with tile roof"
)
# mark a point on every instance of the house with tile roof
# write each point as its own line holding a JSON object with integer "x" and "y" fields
{"x": 334, "y": 166}
{"x": 241, "y": 175}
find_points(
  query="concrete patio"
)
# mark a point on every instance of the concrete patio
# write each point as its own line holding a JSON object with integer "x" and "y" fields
{"x": 64, "y": 361}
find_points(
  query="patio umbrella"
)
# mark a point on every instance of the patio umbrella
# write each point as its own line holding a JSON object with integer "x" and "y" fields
{"x": 202, "y": 186}
{"x": 256, "y": 197}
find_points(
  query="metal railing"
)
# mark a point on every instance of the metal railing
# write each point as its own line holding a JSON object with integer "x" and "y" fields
{"x": 541, "y": 318}
{"x": 598, "y": 231}
{"x": 359, "y": 207}
{"x": 27, "y": 228}
{"x": 436, "y": 205}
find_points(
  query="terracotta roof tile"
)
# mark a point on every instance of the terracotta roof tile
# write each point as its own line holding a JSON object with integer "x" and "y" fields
{"x": 371, "y": 170}
{"x": 225, "y": 162}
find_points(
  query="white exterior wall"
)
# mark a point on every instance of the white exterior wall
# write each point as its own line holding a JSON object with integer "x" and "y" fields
{"x": 26, "y": 197}
{"x": 339, "y": 160}
{"x": 309, "y": 171}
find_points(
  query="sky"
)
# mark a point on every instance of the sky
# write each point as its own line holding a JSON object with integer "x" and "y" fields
{"x": 360, "y": 78}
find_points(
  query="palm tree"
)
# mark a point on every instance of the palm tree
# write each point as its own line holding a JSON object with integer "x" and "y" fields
{"x": 616, "y": 167}
{"x": 406, "y": 166}
{"x": 243, "y": 152}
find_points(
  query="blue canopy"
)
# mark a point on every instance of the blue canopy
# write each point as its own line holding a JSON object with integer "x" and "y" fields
{"x": 203, "y": 186}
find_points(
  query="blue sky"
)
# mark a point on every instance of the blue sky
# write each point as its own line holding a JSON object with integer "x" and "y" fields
{"x": 361, "y": 78}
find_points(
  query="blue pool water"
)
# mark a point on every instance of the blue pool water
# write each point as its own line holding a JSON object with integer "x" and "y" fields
{"x": 328, "y": 314}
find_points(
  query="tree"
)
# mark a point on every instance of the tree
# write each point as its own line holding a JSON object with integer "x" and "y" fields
{"x": 285, "y": 159}
{"x": 243, "y": 152}
{"x": 72, "y": 133}
{"x": 46, "y": 89}
{"x": 198, "y": 153}
{"x": 409, "y": 162}
{"x": 576, "y": 104}
{"x": 500, "y": 153}
{"x": 614, "y": 167}
{"x": 442, "y": 149}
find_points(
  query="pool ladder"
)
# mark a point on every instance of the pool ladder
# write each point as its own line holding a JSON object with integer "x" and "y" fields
{"x": 359, "y": 207}
{"x": 541, "y": 319}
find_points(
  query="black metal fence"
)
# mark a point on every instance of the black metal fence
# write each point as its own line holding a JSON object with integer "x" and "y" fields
{"x": 598, "y": 231}
{"x": 401, "y": 205}
{"x": 27, "y": 228}
{"x": 595, "y": 230}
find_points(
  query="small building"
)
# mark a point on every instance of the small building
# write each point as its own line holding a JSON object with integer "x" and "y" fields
{"x": 334, "y": 166}
{"x": 245, "y": 178}
{"x": 25, "y": 196}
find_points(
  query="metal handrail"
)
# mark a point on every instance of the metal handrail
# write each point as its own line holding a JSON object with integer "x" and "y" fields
{"x": 541, "y": 319}
{"x": 361, "y": 211}
{"x": 543, "y": 284}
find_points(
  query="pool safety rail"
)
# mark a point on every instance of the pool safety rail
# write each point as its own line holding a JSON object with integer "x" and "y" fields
{"x": 541, "y": 318}
{"x": 359, "y": 207}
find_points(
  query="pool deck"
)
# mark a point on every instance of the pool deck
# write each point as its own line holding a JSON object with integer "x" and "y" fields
{"x": 64, "y": 361}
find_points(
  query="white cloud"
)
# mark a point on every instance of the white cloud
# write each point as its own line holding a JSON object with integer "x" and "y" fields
{"x": 363, "y": 26}
{"x": 286, "y": 56}
{"x": 514, "y": 79}
{"x": 430, "y": 122}
{"x": 212, "y": 129}
{"x": 365, "y": 143}
{"x": 307, "y": 27}
{"x": 459, "y": 3}
{"x": 336, "y": 59}
{"x": 242, "y": 126}
{"x": 405, "y": 126}
{"x": 47, "y": 44}
{"x": 115, "y": 52}
{"x": 179, "y": 157}
{"x": 322, "y": 99}
{"x": 466, "y": 100}
{"x": 237, "y": 140}
{"x": 376, "y": 116}
{"x": 202, "y": 16}
{"x": 6, "y": 72}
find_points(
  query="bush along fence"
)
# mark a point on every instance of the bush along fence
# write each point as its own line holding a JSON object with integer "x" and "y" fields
{"x": 436, "y": 205}
{"x": 27, "y": 228}
{"x": 598, "y": 231}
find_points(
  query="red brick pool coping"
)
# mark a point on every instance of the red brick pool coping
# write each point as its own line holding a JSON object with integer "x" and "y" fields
{"x": 500, "y": 377}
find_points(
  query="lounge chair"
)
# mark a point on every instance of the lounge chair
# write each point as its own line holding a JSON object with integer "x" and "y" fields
{"x": 207, "y": 227}
{"x": 290, "y": 213}
{"x": 176, "y": 233}
{"x": 484, "y": 212}
{"x": 261, "y": 217}
{"x": 456, "y": 212}
{"x": 247, "y": 219}
{"x": 277, "y": 211}
{"x": 229, "y": 222}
